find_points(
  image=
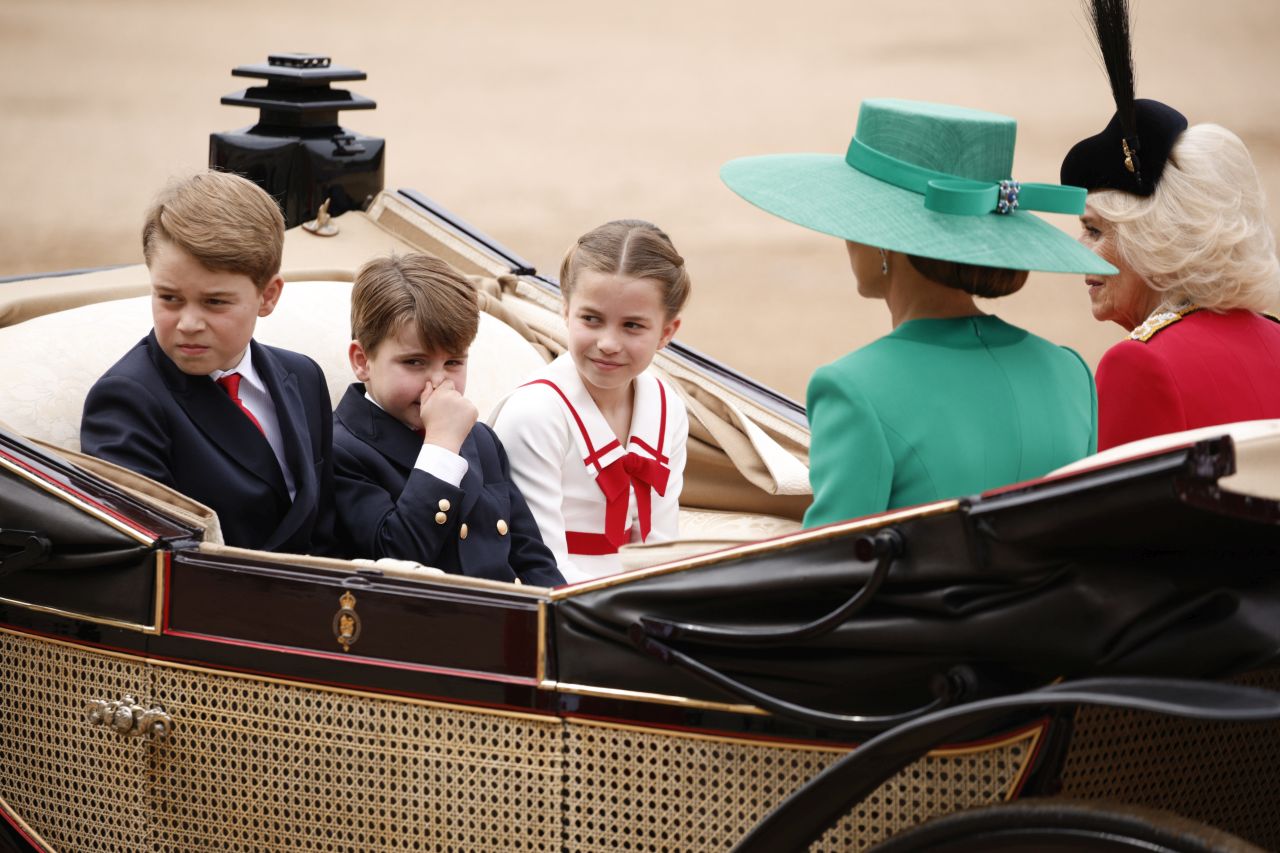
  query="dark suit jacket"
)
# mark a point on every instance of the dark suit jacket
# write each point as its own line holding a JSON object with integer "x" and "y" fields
{"x": 184, "y": 431}
{"x": 389, "y": 508}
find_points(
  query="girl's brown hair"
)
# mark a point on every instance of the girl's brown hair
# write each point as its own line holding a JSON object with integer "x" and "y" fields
{"x": 634, "y": 248}
{"x": 415, "y": 289}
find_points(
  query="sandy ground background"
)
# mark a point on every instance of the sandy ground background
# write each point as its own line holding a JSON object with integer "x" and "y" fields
{"x": 538, "y": 121}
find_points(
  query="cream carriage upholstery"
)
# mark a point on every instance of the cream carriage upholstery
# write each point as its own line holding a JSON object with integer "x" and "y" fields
{"x": 52, "y": 360}
{"x": 747, "y": 476}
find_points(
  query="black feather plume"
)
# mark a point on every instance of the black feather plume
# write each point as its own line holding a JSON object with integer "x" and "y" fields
{"x": 1110, "y": 21}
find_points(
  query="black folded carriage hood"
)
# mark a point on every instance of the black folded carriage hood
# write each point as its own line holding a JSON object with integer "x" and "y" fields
{"x": 1143, "y": 567}
{"x": 73, "y": 545}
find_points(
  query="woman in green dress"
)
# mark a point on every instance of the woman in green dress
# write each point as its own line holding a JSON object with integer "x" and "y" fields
{"x": 953, "y": 401}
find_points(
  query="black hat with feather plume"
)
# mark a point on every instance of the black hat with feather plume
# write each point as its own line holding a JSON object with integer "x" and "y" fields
{"x": 1131, "y": 151}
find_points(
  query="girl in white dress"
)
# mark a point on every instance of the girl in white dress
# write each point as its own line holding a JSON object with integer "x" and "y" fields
{"x": 596, "y": 441}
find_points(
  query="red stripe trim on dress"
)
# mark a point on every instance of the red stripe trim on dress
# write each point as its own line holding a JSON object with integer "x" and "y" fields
{"x": 591, "y": 544}
{"x": 654, "y": 453}
{"x": 593, "y": 456}
{"x": 662, "y": 427}
{"x": 662, "y": 418}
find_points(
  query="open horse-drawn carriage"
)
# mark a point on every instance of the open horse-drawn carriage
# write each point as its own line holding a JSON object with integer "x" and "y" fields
{"x": 164, "y": 691}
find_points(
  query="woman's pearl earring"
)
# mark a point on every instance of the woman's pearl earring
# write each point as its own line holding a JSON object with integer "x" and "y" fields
{"x": 884, "y": 262}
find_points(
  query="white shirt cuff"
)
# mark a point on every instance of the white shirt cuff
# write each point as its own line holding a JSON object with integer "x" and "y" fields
{"x": 441, "y": 464}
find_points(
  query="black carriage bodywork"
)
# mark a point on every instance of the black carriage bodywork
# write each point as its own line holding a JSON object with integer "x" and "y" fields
{"x": 1144, "y": 567}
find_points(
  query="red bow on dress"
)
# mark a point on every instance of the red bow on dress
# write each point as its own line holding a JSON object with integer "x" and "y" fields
{"x": 616, "y": 480}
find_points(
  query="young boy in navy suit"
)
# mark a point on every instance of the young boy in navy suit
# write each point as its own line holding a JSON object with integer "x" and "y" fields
{"x": 198, "y": 404}
{"x": 417, "y": 477}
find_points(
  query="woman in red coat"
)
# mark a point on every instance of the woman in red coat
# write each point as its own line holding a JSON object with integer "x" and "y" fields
{"x": 1181, "y": 213}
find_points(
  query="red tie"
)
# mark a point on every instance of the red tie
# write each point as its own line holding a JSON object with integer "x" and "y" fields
{"x": 230, "y": 383}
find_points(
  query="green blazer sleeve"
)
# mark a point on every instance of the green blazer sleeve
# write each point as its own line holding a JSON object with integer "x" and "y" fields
{"x": 850, "y": 466}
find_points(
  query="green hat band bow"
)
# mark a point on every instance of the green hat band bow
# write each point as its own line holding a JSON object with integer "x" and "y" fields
{"x": 945, "y": 193}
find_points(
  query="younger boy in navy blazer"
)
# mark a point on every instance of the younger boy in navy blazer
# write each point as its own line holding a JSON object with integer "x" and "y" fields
{"x": 417, "y": 477}
{"x": 198, "y": 404}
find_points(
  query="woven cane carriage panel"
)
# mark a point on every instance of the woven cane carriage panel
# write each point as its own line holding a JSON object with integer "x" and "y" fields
{"x": 637, "y": 789}
{"x": 78, "y": 786}
{"x": 258, "y": 765}
{"x": 1223, "y": 774}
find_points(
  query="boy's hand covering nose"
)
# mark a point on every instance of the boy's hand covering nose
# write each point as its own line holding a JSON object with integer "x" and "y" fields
{"x": 447, "y": 416}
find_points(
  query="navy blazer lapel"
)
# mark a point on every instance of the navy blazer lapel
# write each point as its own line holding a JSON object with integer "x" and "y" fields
{"x": 399, "y": 444}
{"x": 472, "y": 484}
{"x": 291, "y": 415}
{"x": 369, "y": 423}
{"x": 219, "y": 419}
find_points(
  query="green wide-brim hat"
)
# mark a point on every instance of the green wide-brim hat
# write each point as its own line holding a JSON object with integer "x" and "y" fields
{"x": 926, "y": 179}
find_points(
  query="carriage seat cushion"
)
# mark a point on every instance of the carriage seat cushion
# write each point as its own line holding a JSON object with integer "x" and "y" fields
{"x": 51, "y": 361}
{"x": 705, "y": 531}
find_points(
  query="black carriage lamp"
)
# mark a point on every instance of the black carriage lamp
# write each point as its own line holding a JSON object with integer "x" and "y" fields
{"x": 297, "y": 151}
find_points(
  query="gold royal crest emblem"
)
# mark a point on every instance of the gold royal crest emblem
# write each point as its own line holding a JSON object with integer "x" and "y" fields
{"x": 346, "y": 622}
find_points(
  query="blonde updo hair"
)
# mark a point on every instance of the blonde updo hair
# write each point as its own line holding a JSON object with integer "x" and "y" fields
{"x": 1203, "y": 236}
{"x": 633, "y": 248}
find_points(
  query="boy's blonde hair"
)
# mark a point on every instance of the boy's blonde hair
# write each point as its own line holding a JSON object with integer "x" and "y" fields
{"x": 420, "y": 290}
{"x": 226, "y": 222}
{"x": 629, "y": 247}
